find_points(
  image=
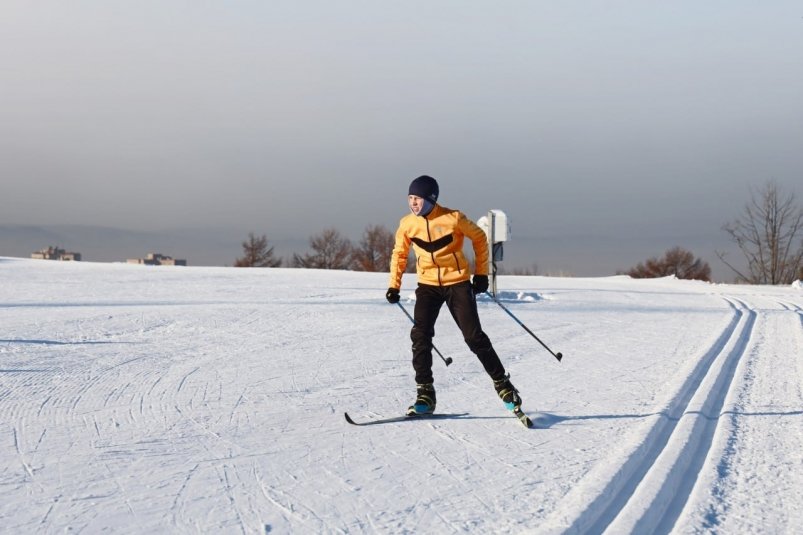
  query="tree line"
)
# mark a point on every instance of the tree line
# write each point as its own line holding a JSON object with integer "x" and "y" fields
{"x": 330, "y": 250}
{"x": 768, "y": 233}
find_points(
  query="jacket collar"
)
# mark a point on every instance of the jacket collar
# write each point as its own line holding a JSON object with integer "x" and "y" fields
{"x": 429, "y": 209}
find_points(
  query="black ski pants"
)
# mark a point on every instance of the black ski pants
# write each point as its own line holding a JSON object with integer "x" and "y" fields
{"x": 459, "y": 299}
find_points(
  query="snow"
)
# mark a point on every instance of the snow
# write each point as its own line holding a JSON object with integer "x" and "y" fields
{"x": 180, "y": 399}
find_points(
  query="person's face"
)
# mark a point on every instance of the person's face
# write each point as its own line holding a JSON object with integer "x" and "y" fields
{"x": 416, "y": 203}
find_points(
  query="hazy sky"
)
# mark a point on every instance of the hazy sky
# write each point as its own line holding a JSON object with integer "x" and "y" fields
{"x": 288, "y": 117}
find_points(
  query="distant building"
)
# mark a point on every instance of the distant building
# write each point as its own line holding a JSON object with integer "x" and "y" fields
{"x": 155, "y": 259}
{"x": 54, "y": 253}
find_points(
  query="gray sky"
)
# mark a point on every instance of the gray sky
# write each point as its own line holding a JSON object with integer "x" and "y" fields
{"x": 585, "y": 121}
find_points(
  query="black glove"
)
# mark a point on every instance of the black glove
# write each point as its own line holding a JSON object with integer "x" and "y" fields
{"x": 392, "y": 294}
{"x": 480, "y": 284}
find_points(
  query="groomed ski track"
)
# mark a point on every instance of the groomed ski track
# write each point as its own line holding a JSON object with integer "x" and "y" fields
{"x": 650, "y": 489}
{"x": 183, "y": 400}
{"x": 674, "y": 480}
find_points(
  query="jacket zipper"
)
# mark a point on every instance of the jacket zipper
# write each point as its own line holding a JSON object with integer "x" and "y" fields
{"x": 432, "y": 254}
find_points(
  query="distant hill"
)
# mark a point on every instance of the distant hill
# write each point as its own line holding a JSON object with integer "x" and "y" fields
{"x": 200, "y": 247}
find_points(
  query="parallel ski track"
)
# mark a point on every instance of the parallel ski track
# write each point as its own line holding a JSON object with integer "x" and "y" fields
{"x": 792, "y": 307}
{"x": 663, "y": 470}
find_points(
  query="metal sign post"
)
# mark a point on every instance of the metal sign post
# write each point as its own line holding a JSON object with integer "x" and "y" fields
{"x": 496, "y": 227}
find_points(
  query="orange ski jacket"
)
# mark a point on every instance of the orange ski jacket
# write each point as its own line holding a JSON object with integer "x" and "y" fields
{"x": 437, "y": 241}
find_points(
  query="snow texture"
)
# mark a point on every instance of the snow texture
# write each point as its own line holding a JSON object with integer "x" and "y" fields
{"x": 167, "y": 399}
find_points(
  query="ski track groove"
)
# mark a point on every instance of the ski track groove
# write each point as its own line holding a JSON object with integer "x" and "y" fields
{"x": 793, "y": 307}
{"x": 452, "y": 437}
{"x": 609, "y": 510}
{"x": 289, "y": 514}
{"x": 690, "y": 459}
{"x": 120, "y": 488}
{"x": 43, "y": 520}
{"x": 21, "y": 457}
{"x": 460, "y": 483}
{"x": 227, "y": 486}
{"x": 175, "y": 510}
{"x": 714, "y": 508}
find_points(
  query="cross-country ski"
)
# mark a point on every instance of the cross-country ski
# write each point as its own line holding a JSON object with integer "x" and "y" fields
{"x": 405, "y": 418}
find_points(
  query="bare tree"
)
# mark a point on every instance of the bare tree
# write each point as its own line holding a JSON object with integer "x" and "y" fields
{"x": 676, "y": 261}
{"x": 331, "y": 251}
{"x": 770, "y": 235}
{"x": 256, "y": 253}
{"x": 374, "y": 250}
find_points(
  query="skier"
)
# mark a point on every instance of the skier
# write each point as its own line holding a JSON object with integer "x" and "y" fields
{"x": 436, "y": 234}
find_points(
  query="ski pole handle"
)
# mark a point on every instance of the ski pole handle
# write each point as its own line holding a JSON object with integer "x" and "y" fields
{"x": 447, "y": 360}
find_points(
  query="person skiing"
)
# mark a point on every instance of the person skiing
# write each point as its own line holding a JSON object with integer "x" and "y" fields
{"x": 437, "y": 234}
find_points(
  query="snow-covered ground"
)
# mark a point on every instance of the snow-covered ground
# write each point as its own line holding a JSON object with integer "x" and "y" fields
{"x": 147, "y": 400}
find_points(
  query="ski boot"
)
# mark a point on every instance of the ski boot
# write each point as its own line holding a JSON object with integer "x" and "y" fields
{"x": 508, "y": 393}
{"x": 424, "y": 401}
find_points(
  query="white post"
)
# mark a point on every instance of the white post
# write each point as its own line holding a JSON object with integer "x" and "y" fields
{"x": 496, "y": 227}
{"x": 491, "y": 251}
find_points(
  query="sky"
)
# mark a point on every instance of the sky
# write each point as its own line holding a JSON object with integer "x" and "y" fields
{"x": 589, "y": 124}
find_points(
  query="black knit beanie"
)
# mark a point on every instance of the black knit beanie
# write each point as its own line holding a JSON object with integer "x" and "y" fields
{"x": 425, "y": 187}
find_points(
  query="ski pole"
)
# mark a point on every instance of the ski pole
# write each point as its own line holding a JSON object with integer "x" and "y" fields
{"x": 557, "y": 355}
{"x": 447, "y": 360}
